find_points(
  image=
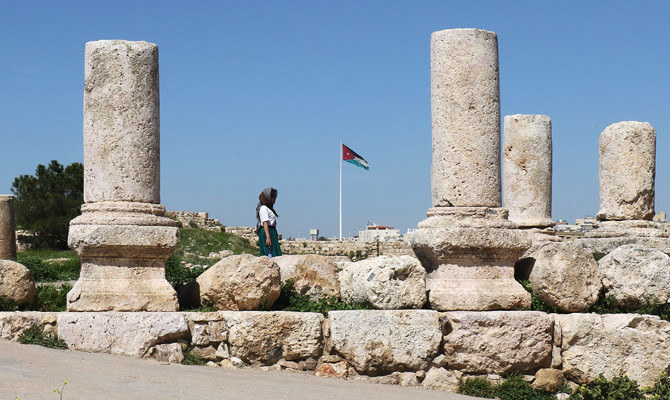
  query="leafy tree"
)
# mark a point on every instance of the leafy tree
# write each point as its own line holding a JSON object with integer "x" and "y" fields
{"x": 47, "y": 201}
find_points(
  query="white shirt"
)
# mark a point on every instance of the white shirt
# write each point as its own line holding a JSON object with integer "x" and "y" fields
{"x": 267, "y": 215}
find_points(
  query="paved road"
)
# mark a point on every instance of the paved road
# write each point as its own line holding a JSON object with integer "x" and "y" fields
{"x": 32, "y": 372}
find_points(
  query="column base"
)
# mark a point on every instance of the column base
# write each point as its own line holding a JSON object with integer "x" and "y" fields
{"x": 123, "y": 247}
{"x": 119, "y": 288}
{"x": 469, "y": 255}
{"x": 457, "y": 288}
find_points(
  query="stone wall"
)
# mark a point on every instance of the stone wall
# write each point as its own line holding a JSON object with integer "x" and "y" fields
{"x": 190, "y": 219}
{"x": 350, "y": 249}
{"x": 245, "y": 232}
{"x": 409, "y": 347}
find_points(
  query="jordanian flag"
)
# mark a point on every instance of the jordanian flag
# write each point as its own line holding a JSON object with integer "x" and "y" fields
{"x": 351, "y": 156}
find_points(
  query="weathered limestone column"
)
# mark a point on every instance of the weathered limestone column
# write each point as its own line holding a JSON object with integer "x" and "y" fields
{"x": 627, "y": 158}
{"x": 467, "y": 244}
{"x": 465, "y": 108}
{"x": 627, "y": 161}
{"x": 122, "y": 236}
{"x": 7, "y": 228}
{"x": 526, "y": 169}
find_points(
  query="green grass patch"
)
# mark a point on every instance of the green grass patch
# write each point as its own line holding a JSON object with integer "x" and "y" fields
{"x": 51, "y": 298}
{"x": 192, "y": 359}
{"x": 291, "y": 300}
{"x": 34, "y": 335}
{"x": 47, "y": 265}
{"x": 47, "y": 298}
{"x": 195, "y": 247}
{"x": 535, "y": 303}
{"x": 6, "y": 305}
{"x": 177, "y": 274}
{"x": 196, "y": 244}
{"x": 512, "y": 388}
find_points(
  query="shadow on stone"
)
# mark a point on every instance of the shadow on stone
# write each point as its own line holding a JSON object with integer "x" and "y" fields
{"x": 188, "y": 295}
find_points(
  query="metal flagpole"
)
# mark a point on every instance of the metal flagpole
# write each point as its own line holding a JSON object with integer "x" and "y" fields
{"x": 340, "y": 154}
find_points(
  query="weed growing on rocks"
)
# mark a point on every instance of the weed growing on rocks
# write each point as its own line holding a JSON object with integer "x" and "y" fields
{"x": 477, "y": 387}
{"x": 597, "y": 255}
{"x": 34, "y": 335}
{"x": 607, "y": 305}
{"x": 192, "y": 359}
{"x": 512, "y": 388}
{"x": 619, "y": 388}
{"x": 537, "y": 304}
{"x": 291, "y": 300}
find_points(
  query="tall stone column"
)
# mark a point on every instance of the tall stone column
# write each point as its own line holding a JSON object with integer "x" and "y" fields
{"x": 527, "y": 169}
{"x": 627, "y": 158}
{"x": 7, "y": 228}
{"x": 465, "y": 108}
{"x": 122, "y": 237}
{"x": 467, "y": 244}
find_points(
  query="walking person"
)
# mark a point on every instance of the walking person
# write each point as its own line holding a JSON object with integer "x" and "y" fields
{"x": 268, "y": 240}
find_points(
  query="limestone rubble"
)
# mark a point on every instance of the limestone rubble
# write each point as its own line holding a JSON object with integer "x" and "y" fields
{"x": 387, "y": 283}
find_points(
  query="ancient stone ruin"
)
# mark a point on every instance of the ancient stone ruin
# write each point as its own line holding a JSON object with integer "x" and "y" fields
{"x": 466, "y": 249}
{"x": 7, "y": 228}
{"x": 526, "y": 169}
{"x": 467, "y": 244}
{"x": 122, "y": 237}
{"x": 627, "y": 172}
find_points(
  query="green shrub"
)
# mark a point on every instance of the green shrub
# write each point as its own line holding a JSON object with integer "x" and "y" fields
{"x": 192, "y": 359}
{"x": 34, "y": 335}
{"x": 661, "y": 388}
{"x": 607, "y": 305}
{"x": 6, "y": 305}
{"x": 177, "y": 274}
{"x": 597, "y": 255}
{"x": 291, "y": 300}
{"x": 515, "y": 388}
{"x": 40, "y": 271}
{"x": 51, "y": 298}
{"x": 477, "y": 387}
{"x": 512, "y": 388}
{"x": 619, "y": 388}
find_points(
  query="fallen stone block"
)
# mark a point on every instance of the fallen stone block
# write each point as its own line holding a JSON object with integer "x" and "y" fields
{"x": 128, "y": 333}
{"x": 258, "y": 337}
{"x": 388, "y": 283}
{"x": 16, "y": 283}
{"x": 12, "y": 324}
{"x": 497, "y": 342}
{"x": 240, "y": 283}
{"x": 313, "y": 275}
{"x": 634, "y": 275}
{"x": 613, "y": 345}
{"x": 375, "y": 342}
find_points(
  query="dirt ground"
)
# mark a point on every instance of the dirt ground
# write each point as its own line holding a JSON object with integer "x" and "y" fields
{"x": 30, "y": 372}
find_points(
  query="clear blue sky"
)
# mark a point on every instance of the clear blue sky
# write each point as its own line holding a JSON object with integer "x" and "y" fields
{"x": 257, "y": 94}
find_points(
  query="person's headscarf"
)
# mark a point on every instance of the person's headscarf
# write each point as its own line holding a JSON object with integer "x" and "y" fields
{"x": 267, "y": 198}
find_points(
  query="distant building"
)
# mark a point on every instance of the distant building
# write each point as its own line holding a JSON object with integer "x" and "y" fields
{"x": 382, "y": 233}
{"x": 660, "y": 217}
